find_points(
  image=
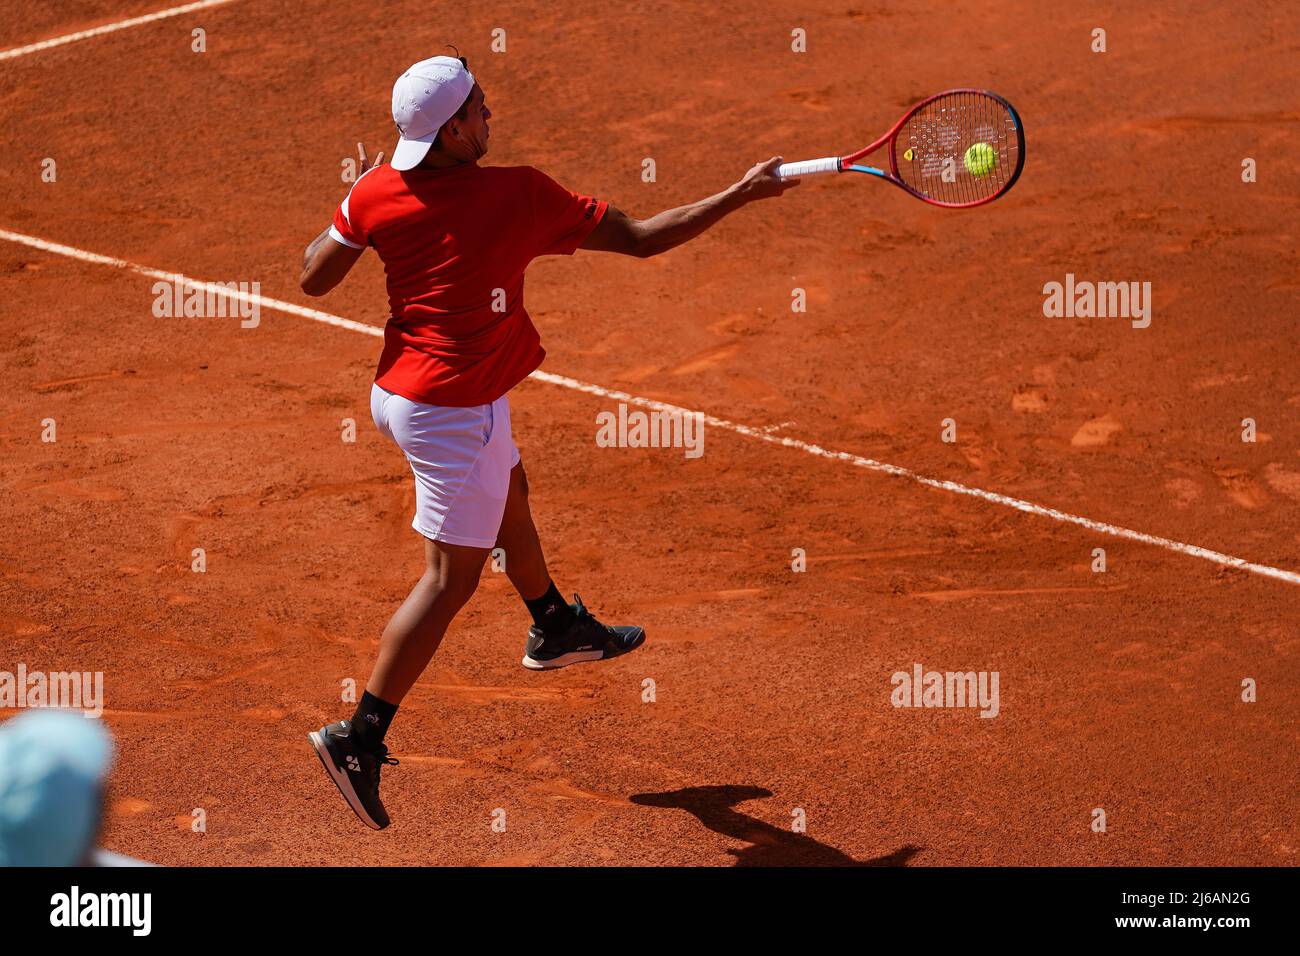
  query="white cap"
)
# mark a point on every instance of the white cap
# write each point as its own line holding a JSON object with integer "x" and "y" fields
{"x": 425, "y": 97}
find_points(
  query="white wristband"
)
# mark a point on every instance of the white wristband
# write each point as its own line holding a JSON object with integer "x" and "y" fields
{"x": 809, "y": 167}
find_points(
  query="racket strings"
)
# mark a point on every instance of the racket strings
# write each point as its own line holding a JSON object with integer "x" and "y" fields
{"x": 963, "y": 147}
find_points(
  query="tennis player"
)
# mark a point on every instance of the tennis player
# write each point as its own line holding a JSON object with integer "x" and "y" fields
{"x": 455, "y": 239}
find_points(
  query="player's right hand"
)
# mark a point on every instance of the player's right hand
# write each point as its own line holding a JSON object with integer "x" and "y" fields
{"x": 762, "y": 182}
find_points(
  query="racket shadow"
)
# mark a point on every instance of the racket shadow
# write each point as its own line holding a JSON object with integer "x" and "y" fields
{"x": 714, "y": 806}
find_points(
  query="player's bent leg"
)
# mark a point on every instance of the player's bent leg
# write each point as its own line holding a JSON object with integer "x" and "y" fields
{"x": 562, "y": 633}
{"x": 524, "y": 559}
{"x": 352, "y": 751}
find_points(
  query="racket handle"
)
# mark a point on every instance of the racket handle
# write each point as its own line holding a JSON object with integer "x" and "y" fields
{"x": 809, "y": 167}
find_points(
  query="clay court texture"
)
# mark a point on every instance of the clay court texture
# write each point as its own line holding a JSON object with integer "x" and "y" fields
{"x": 1119, "y": 690}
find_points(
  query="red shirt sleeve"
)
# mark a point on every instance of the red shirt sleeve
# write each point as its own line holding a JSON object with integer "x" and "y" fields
{"x": 561, "y": 219}
{"x": 343, "y": 229}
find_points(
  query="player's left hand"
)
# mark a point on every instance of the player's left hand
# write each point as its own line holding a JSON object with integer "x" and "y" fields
{"x": 366, "y": 165}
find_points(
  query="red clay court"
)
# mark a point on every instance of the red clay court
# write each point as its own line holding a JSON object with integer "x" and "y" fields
{"x": 1120, "y": 690}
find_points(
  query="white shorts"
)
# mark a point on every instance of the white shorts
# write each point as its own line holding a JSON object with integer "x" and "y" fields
{"x": 461, "y": 458}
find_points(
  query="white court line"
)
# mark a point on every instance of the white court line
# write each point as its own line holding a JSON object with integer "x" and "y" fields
{"x": 107, "y": 28}
{"x": 760, "y": 434}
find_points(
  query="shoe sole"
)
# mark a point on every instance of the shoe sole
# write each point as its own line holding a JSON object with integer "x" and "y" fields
{"x": 342, "y": 781}
{"x": 564, "y": 660}
{"x": 577, "y": 657}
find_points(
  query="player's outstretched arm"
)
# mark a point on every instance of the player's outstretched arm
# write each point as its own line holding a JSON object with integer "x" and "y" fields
{"x": 643, "y": 238}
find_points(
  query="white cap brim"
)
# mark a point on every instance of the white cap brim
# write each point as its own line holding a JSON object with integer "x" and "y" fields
{"x": 410, "y": 152}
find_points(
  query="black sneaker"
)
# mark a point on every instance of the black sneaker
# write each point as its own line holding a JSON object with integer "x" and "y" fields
{"x": 585, "y": 640}
{"x": 354, "y": 770}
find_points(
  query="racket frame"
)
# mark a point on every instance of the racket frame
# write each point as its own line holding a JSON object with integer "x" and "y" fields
{"x": 849, "y": 163}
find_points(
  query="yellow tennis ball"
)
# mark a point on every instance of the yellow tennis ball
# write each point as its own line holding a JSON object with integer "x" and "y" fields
{"x": 980, "y": 160}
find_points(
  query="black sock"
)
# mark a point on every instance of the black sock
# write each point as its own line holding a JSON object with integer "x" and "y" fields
{"x": 371, "y": 720}
{"x": 551, "y": 612}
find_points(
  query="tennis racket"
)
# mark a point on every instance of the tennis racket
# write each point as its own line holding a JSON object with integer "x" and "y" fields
{"x": 958, "y": 149}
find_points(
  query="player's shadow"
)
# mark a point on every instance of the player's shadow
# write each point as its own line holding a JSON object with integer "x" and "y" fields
{"x": 768, "y": 845}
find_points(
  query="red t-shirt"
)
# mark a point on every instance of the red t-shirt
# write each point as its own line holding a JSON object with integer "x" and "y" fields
{"x": 455, "y": 243}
